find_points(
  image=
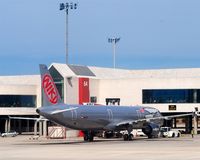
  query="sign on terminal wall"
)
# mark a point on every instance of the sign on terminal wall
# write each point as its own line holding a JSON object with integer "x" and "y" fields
{"x": 84, "y": 93}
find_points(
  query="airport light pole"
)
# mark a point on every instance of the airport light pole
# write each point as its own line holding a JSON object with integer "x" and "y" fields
{"x": 114, "y": 41}
{"x": 67, "y": 6}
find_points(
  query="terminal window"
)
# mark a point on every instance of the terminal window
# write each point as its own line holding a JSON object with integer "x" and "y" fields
{"x": 171, "y": 96}
{"x": 17, "y": 100}
{"x": 113, "y": 101}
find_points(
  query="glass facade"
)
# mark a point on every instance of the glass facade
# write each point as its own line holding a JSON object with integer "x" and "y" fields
{"x": 17, "y": 100}
{"x": 171, "y": 96}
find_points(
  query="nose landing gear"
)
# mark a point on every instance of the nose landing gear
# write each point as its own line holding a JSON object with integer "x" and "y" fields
{"x": 88, "y": 136}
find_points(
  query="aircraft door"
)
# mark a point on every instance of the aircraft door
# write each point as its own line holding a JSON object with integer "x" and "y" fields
{"x": 74, "y": 115}
{"x": 140, "y": 113}
{"x": 110, "y": 114}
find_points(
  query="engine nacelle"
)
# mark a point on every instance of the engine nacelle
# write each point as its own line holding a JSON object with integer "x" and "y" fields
{"x": 151, "y": 130}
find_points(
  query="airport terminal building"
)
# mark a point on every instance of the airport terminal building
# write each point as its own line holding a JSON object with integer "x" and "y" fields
{"x": 172, "y": 91}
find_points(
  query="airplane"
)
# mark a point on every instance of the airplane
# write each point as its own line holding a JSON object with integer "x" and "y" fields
{"x": 93, "y": 119}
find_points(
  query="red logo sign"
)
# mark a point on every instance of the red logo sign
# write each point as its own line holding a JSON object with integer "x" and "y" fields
{"x": 142, "y": 110}
{"x": 50, "y": 89}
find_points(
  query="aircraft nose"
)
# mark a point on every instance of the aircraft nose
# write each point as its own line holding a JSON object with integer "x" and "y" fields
{"x": 42, "y": 111}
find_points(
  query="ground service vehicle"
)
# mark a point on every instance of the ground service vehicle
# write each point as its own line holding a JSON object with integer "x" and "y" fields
{"x": 168, "y": 132}
{"x": 9, "y": 134}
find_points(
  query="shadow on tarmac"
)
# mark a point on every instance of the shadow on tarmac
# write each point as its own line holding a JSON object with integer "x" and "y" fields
{"x": 98, "y": 140}
{"x": 67, "y": 142}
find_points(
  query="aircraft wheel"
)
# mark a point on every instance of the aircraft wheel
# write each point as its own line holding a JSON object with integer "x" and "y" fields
{"x": 126, "y": 137}
{"x": 91, "y": 138}
{"x": 150, "y": 136}
{"x": 173, "y": 135}
{"x": 130, "y": 137}
{"x": 85, "y": 138}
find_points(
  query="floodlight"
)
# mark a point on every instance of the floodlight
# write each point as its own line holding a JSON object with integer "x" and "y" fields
{"x": 62, "y": 6}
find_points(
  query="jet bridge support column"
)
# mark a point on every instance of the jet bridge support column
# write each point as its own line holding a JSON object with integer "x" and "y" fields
{"x": 45, "y": 128}
{"x": 20, "y": 126}
{"x": 174, "y": 123}
{"x": 40, "y": 128}
{"x": 6, "y": 125}
{"x": 27, "y": 126}
{"x": 188, "y": 124}
{"x": 195, "y": 121}
{"x": 9, "y": 125}
{"x": 35, "y": 127}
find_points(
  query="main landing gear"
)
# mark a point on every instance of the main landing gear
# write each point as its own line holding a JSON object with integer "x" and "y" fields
{"x": 129, "y": 136}
{"x": 88, "y": 136}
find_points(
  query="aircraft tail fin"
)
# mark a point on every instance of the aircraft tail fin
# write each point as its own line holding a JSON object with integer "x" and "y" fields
{"x": 50, "y": 93}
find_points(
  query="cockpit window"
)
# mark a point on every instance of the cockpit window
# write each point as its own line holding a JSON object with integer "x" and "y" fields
{"x": 151, "y": 110}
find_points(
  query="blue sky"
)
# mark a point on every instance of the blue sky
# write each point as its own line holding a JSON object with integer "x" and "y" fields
{"x": 154, "y": 34}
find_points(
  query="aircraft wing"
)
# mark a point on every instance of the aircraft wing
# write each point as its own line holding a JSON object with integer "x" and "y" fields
{"x": 180, "y": 115}
{"x": 148, "y": 119}
{"x": 132, "y": 122}
{"x": 42, "y": 118}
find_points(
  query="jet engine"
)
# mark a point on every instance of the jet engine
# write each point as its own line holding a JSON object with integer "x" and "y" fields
{"x": 151, "y": 130}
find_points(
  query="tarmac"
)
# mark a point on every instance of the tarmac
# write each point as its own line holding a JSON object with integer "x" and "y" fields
{"x": 141, "y": 148}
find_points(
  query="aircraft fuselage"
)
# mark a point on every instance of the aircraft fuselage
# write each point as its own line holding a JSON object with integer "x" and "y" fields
{"x": 86, "y": 117}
